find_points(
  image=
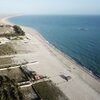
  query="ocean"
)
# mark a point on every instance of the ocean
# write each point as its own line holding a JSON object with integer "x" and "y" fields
{"x": 75, "y": 35}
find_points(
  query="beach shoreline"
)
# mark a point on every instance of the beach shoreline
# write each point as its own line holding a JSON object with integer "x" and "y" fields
{"x": 49, "y": 45}
{"x": 6, "y": 20}
{"x": 77, "y": 72}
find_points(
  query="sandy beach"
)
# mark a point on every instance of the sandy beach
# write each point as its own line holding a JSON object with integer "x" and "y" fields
{"x": 52, "y": 63}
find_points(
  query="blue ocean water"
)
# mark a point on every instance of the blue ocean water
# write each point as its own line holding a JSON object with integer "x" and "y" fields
{"x": 76, "y": 36}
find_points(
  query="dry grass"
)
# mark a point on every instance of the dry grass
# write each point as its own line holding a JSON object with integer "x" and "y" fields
{"x": 28, "y": 93}
{"x": 48, "y": 91}
{"x": 5, "y": 61}
{"x": 14, "y": 73}
{"x": 6, "y": 49}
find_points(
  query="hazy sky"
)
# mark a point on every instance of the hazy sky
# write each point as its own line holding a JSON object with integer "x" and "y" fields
{"x": 50, "y": 6}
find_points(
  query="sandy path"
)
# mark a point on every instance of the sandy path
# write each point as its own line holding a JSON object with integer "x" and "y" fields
{"x": 81, "y": 86}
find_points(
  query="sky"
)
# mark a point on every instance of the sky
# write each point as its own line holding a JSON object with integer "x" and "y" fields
{"x": 50, "y": 7}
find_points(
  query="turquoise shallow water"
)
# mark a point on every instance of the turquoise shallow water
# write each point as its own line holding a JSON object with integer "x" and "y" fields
{"x": 76, "y": 36}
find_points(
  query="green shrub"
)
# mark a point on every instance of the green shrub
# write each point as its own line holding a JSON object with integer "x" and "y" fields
{"x": 18, "y": 30}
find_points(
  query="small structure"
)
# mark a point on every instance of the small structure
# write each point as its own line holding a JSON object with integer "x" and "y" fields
{"x": 37, "y": 77}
